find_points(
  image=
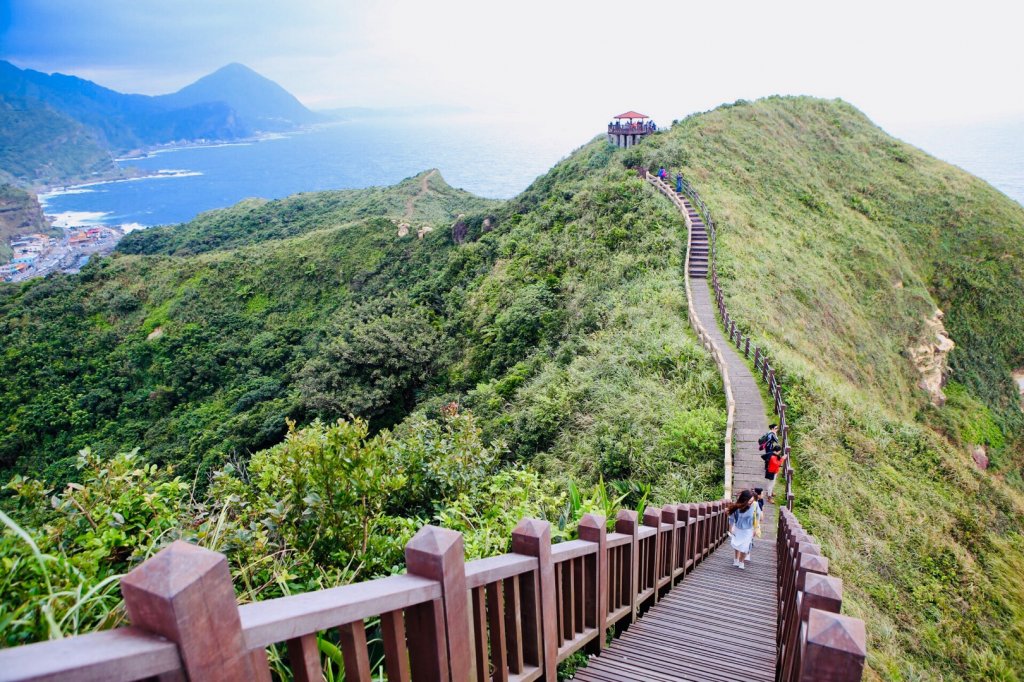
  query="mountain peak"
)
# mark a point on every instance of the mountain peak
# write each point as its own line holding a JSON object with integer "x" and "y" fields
{"x": 259, "y": 101}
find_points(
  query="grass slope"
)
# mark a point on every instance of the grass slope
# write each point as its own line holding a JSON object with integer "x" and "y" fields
{"x": 424, "y": 199}
{"x": 558, "y": 317}
{"x": 836, "y": 242}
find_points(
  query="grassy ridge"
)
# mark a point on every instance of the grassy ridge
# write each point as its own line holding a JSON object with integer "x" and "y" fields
{"x": 836, "y": 243}
{"x": 558, "y": 317}
{"x": 424, "y": 199}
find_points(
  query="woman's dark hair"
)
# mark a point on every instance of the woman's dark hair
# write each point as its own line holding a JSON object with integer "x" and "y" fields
{"x": 741, "y": 502}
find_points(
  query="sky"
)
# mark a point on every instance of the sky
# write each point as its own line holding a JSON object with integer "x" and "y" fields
{"x": 903, "y": 63}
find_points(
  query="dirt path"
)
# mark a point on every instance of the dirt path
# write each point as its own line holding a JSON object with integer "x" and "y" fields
{"x": 410, "y": 203}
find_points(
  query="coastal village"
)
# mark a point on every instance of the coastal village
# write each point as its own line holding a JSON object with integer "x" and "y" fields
{"x": 37, "y": 255}
{"x": 34, "y": 245}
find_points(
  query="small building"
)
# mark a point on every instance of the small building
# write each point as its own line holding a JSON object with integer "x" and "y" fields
{"x": 627, "y": 129}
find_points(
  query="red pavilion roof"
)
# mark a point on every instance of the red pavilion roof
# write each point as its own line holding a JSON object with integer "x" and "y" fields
{"x": 631, "y": 114}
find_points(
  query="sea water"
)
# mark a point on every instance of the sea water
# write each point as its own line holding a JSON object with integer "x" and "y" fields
{"x": 491, "y": 158}
{"x": 495, "y": 159}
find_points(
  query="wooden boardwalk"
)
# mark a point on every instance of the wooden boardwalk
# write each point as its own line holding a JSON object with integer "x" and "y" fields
{"x": 751, "y": 420}
{"x": 718, "y": 624}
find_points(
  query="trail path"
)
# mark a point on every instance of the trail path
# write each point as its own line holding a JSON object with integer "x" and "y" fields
{"x": 410, "y": 203}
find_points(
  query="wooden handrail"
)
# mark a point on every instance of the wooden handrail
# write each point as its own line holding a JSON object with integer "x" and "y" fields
{"x": 732, "y": 331}
{"x": 814, "y": 641}
{"x": 510, "y": 617}
{"x": 703, "y": 335}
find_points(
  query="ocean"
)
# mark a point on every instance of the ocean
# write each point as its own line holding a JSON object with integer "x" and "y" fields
{"x": 491, "y": 158}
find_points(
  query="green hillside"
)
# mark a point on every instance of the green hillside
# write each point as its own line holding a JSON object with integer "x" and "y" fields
{"x": 528, "y": 343}
{"x": 422, "y": 200}
{"x": 836, "y": 243}
{"x": 558, "y": 319}
{"x": 39, "y": 146}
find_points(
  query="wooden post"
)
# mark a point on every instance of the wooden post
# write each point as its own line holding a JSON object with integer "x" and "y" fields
{"x": 683, "y": 514}
{"x": 652, "y": 519}
{"x": 184, "y": 593}
{"x": 437, "y": 554}
{"x": 594, "y": 528}
{"x": 668, "y": 515}
{"x": 626, "y": 523}
{"x": 822, "y": 592}
{"x": 833, "y": 648}
{"x": 533, "y": 538}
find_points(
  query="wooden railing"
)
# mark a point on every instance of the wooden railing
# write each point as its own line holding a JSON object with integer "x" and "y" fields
{"x": 815, "y": 642}
{"x": 734, "y": 333}
{"x": 511, "y": 617}
{"x": 703, "y": 336}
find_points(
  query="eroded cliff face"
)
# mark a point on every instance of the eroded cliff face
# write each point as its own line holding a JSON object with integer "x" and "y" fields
{"x": 929, "y": 355}
{"x": 20, "y": 212}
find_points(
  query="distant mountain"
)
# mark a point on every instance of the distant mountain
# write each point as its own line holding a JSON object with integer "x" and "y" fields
{"x": 260, "y": 102}
{"x": 122, "y": 122}
{"x": 40, "y": 146}
{"x": 78, "y": 122}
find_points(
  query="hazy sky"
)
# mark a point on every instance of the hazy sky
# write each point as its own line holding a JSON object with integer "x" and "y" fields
{"x": 903, "y": 63}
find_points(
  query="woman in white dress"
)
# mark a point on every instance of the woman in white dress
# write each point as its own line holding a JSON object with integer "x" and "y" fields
{"x": 741, "y": 526}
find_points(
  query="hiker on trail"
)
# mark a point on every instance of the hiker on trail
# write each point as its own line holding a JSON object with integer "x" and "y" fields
{"x": 772, "y": 467}
{"x": 771, "y": 436}
{"x": 679, "y": 182}
{"x": 661, "y": 173}
{"x": 741, "y": 526}
{"x": 758, "y": 508}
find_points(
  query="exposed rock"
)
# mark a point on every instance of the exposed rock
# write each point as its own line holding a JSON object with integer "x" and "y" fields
{"x": 1018, "y": 376}
{"x": 980, "y": 456}
{"x": 488, "y": 224}
{"x": 423, "y": 231}
{"x": 929, "y": 357}
{"x": 155, "y": 334}
{"x": 403, "y": 229}
{"x": 459, "y": 231}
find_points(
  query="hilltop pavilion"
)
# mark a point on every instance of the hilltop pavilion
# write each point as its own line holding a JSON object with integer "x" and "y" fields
{"x": 627, "y": 129}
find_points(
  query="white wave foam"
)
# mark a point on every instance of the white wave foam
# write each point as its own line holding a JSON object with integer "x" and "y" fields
{"x": 68, "y": 219}
{"x": 131, "y": 227}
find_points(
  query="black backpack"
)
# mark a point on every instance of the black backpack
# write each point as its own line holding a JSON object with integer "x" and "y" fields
{"x": 763, "y": 440}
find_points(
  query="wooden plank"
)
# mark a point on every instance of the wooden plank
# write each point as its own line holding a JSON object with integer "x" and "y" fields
{"x": 275, "y": 620}
{"x": 579, "y": 594}
{"x": 496, "y": 623}
{"x": 514, "y": 625}
{"x": 304, "y": 658}
{"x": 353, "y": 650}
{"x": 428, "y": 654}
{"x": 689, "y": 635}
{"x": 117, "y": 655}
{"x": 482, "y": 572}
{"x": 480, "y": 635}
{"x": 396, "y": 659}
{"x": 565, "y": 551}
